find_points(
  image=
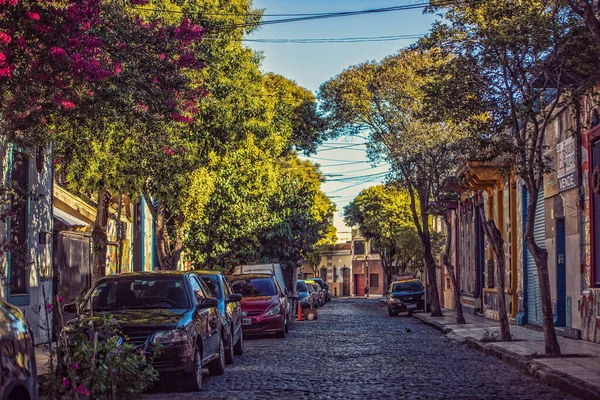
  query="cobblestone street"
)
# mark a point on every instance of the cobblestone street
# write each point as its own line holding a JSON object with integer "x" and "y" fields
{"x": 355, "y": 350}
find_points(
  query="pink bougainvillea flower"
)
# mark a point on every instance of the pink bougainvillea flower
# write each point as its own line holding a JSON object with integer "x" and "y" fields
{"x": 33, "y": 15}
{"x": 74, "y": 365}
{"x": 2, "y": 58}
{"x": 182, "y": 118}
{"x": 168, "y": 151}
{"x": 57, "y": 52}
{"x": 48, "y": 306}
{"x": 161, "y": 56}
{"x": 67, "y": 105}
{"x": 117, "y": 69}
{"x": 81, "y": 390}
{"x": 141, "y": 108}
{"x": 4, "y": 38}
{"x": 66, "y": 382}
{"x": 60, "y": 298}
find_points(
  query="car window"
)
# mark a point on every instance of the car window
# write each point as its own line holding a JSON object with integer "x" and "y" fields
{"x": 138, "y": 292}
{"x": 226, "y": 286}
{"x": 301, "y": 286}
{"x": 252, "y": 287}
{"x": 197, "y": 289}
{"x": 212, "y": 283}
{"x": 205, "y": 290}
{"x": 410, "y": 286}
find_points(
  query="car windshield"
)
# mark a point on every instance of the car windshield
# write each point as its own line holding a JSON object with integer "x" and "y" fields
{"x": 411, "y": 286}
{"x": 212, "y": 281}
{"x": 254, "y": 287}
{"x": 301, "y": 286}
{"x": 138, "y": 292}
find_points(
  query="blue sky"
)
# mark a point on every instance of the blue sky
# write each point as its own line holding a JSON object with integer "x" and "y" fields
{"x": 312, "y": 64}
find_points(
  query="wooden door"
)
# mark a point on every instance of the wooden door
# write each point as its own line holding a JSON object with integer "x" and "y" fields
{"x": 359, "y": 284}
{"x": 346, "y": 282}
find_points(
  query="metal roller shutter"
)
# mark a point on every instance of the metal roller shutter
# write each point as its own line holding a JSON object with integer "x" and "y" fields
{"x": 534, "y": 305}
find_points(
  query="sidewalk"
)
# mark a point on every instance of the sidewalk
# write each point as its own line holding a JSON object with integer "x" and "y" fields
{"x": 42, "y": 359}
{"x": 577, "y": 372}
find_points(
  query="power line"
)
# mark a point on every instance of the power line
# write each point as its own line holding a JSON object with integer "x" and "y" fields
{"x": 299, "y": 17}
{"x": 336, "y": 40}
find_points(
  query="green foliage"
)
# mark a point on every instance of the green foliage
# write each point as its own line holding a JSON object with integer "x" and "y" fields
{"x": 93, "y": 362}
{"x": 383, "y": 215}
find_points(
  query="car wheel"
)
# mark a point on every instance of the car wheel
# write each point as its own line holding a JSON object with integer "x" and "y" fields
{"x": 392, "y": 313}
{"x": 410, "y": 313}
{"x": 229, "y": 349}
{"x": 239, "y": 345}
{"x": 217, "y": 367}
{"x": 192, "y": 382}
{"x": 281, "y": 333}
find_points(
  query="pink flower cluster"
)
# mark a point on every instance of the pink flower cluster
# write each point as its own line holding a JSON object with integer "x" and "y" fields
{"x": 168, "y": 151}
{"x": 182, "y": 118}
{"x": 8, "y": 2}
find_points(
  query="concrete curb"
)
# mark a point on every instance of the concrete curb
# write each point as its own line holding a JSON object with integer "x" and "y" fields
{"x": 549, "y": 376}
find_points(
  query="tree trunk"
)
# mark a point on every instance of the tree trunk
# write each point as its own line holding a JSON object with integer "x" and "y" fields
{"x": 540, "y": 256}
{"x": 100, "y": 236}
{"x": 168, "y": 250}
{"x": 494, "y": 237}
{"x": 460, "y": 318}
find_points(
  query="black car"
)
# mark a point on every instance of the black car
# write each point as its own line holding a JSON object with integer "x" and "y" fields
{"x": 305, "y": 299}
{"x": 405, "y": 295}
{"x": 18, "y": 380}
{"x": 173, "y": 309}
{"x": 231, "y": 312}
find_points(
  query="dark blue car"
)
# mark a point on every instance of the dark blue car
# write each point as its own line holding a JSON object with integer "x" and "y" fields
{"x": 231, "y": 312}
{"x": 405, "y": 296}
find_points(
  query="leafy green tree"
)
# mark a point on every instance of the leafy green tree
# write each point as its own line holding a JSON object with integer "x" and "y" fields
{"x": 385, "y": 100}
{"x": 383, "y": 216}
{"x": 525, "y": 56}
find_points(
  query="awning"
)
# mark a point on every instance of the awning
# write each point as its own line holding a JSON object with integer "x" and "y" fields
{"x": 67, "y": 219}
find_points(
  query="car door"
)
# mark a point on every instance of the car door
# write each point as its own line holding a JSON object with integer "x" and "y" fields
{"x": 201, "y": 318}
{"x": 214, "y": 320}
{"x": 234, "y": 309}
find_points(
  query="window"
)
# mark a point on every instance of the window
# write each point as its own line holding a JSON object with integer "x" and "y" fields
{"x": 359, "y": 247}
{"x": 374, "y": 280}
{"x": 335, "y": 274}
{"x": 324, "y": 274}
{"x": 254, "y": 287}
{"x": 212, "y": 282}
{"x": 197, "y": 289}
{"x": 301, "y": 286}
{"x": 18, "y": 267}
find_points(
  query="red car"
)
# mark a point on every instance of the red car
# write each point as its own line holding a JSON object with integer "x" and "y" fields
{"x": 264, "y": 304}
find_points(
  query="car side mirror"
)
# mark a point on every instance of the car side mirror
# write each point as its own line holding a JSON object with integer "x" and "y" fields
{"x": 233, "y": 298}
{"x": 70, "y": 308}
{"x": 209, "y": 302}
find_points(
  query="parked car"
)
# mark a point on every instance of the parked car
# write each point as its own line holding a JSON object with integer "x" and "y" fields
{"x": 405, "y": 295}
{"x": 307, "y": 296}
{"x": 315, "y": 294}
{"x": 264, "y": 304}
{"x": 173, "y": 309}
{"x": 18, "y": 380}
{"x": 320, "y": 290}
{"x": 325, "y": 287}
{"x": 231, "y": 312}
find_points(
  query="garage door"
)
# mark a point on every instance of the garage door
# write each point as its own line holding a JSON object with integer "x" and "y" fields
{"x": 534, "y": 304}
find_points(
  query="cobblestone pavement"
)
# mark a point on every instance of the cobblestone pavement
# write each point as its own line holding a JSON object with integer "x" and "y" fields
{"x": 356, "y": 351}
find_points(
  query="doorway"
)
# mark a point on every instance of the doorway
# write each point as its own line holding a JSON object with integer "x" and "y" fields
{"x": 359, "y": 284}
{"x": 561, "y": 275}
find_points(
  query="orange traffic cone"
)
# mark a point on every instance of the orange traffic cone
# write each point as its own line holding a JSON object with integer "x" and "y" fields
{"x": 299, "y": 318}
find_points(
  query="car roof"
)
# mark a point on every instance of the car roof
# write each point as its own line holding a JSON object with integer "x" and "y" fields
{"x": 250, "y": 276}
{"x": 142, "y": 274}
{"x": 406, "y": 280}
{"x": 207, "y": 272}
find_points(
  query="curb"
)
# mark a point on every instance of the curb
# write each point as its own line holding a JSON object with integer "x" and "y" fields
{"x": 550, "y": 377}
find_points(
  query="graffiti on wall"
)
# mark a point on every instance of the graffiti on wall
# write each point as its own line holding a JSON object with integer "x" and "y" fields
{"x": 590, "y": 316}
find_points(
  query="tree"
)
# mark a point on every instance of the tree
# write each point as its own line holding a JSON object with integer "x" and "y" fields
{"x": 589, "y": 11}
{"x": 385, "y": 100}
{"x": 383, "y": 216}
{"x": 525, "y": 55}
{"x": 152, "y": 90}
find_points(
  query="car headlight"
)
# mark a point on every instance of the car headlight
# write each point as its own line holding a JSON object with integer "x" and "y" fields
{"x": 273, "y": 311}
{"x": 173, "y": 336}
{"x": 304, "y": 300}
{"x": 395, "y": 300}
